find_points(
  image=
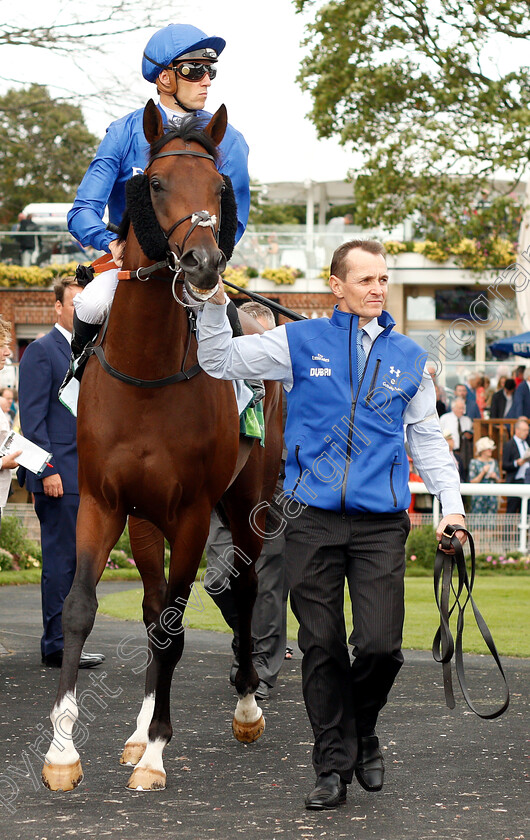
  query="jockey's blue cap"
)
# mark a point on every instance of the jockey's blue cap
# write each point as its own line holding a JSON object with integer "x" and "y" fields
{"x": 174, "y": 41}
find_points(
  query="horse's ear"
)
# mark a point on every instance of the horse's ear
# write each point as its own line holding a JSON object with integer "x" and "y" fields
{"x": 217, "y": 126}
{"x": 153, "y": 125}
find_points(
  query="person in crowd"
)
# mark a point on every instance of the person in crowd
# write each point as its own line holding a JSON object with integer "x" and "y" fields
{"x": 46, "y": 422}
{"x": 9, "y": 395}
{"x": 484, "y": 470}
{"x": 7, "y": 462}
{"x": 461, "y": 428}
{"x": 339, "y": 223}
{"x": 502, "y": 400}
{"x": 471, "y": 408}
{"x": 448, "y": 435}
{"x": 519, "y": 375}
{"x": 181, "y": 60}
{"x": 489, "y": 390}
{"x": 441, "y": 407}
{"x": 521, "y": 399}
{"x": 502, "y": 373}
{"x": 4, "y": 408}
{"x": 472, "y": 382}
{"x": 482, "y": 394}
{"x": 515, "y": 460}
{"x": 29, "y": 242}
{"x": 273, "y": 251}
{"x": 347, "y": 483}
{"x": 269, "y": 618}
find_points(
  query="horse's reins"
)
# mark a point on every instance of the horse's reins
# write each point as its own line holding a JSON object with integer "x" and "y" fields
{"x": 444, "y": 647}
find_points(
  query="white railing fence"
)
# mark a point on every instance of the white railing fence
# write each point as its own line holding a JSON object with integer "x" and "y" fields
{"x": 494, "y": 533}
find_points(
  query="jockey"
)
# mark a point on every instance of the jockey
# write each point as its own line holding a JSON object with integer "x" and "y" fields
{"x": 180, "y": 59}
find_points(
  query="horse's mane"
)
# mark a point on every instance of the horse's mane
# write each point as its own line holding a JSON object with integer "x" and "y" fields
{"x": 139, "y": 207}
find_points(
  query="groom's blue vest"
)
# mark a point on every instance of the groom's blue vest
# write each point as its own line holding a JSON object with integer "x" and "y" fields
{"x": 345, "y": 443}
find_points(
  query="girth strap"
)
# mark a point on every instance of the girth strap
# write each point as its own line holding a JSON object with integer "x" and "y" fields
{"x": 443, "y": 647}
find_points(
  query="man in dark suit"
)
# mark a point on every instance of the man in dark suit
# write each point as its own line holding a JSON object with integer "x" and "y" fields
{"x": 46, "y": 422}
{"x": 515, "y": 462}
{"x": 521, "y": 401}
{"x": 502, "y": 400}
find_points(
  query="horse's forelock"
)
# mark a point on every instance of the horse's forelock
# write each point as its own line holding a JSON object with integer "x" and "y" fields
{"x": 191, "y": 129}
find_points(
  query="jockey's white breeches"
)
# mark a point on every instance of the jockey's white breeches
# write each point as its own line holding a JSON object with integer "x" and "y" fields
{"x": 93, "y": 303}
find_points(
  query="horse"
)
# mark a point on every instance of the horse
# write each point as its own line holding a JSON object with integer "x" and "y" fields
{"x": 159, "y": 443}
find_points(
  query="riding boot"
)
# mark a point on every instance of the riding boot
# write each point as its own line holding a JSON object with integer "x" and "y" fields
{"x": 82, "y": 334}
{"x": 256, "y": 385}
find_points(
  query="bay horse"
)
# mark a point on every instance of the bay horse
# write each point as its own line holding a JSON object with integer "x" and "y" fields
{"x": 158, "y": 442}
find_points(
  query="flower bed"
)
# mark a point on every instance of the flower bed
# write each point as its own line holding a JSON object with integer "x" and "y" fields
{"x": 34, "y": 276}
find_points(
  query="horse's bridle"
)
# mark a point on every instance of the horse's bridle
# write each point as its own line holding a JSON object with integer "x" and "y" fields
{"x": 201, "y": 218}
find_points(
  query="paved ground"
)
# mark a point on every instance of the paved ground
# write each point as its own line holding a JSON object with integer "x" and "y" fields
{"x": 450, "y": 776}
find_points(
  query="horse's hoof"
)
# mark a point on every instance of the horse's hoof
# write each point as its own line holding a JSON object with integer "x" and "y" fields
{"x": 62, "y": 776}
{"x": 248, "y": 732}
{"x": 132, "y": 753}
{"x": 143, "y": 778}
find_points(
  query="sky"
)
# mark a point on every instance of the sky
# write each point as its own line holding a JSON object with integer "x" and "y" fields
{"x": 256, "y": 80}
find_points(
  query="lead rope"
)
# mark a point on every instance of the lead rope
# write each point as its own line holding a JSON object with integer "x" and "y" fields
{"x": 443, "y": 646}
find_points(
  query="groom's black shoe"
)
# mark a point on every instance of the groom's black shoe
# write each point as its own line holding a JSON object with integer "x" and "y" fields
{"x": 370, "y": 769}
{"x": 87, "y": 660}
{"x": 329, "y": 793}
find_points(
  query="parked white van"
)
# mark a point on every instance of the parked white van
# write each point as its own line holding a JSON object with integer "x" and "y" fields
{"x": 48, "y": 216}
{"x": 54, "y": 243}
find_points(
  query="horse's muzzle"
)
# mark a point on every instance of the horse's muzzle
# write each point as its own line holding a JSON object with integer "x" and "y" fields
{"x": 202, "y": 268}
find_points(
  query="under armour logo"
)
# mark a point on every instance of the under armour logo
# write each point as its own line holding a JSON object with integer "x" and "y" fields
{"x": 394, "y": 371}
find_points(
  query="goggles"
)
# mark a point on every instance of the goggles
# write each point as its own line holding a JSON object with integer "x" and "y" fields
{"x": 193, "y": 72}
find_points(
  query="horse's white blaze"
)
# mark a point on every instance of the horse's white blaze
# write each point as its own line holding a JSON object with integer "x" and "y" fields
{"x": 143, "y": 721}
{"x": 63, "y": 717}
{"x": 247, "y": 710}
{"x": 152, "y": 757}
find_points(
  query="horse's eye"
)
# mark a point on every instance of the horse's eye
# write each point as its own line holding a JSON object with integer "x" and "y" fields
{"x": 155, "y": 185}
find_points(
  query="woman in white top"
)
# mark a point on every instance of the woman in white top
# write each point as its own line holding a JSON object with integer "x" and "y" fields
{"x": 8, "y": 462}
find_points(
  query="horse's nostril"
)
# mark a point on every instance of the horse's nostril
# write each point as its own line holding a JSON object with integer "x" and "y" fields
{"x": 199, "y": 261}
{"x": 189, "y": 261}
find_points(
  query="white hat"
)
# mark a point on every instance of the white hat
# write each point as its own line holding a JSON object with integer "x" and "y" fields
{"x": 484, "y": 443}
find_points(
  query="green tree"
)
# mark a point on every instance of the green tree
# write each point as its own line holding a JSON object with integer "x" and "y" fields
{"x": 415, "y": 86}
{"x": 264, "y": 213}
{"x": 45, "y": 148}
